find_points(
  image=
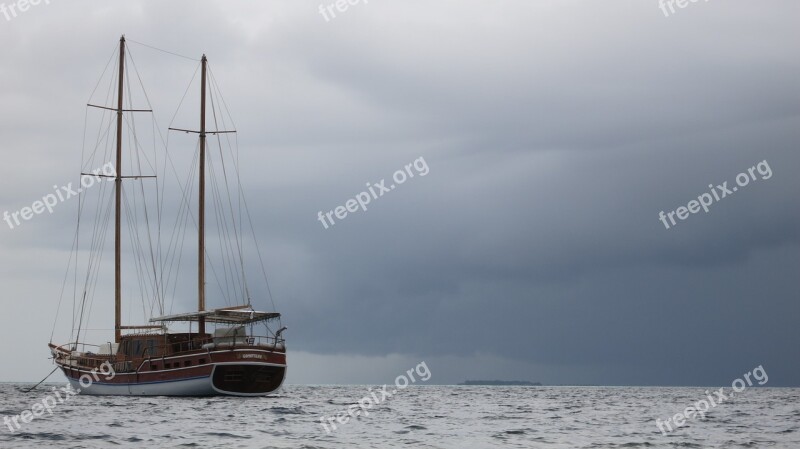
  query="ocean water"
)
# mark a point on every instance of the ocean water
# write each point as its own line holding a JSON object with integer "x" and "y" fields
{"x": 417, "y": 417}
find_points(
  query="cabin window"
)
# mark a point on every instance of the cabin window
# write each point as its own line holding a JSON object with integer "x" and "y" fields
{"x": 138, "y": 347}
{"x": 202, "y": 361}
{"x": 166, "y": 365}
{"x": 153, "y": 367}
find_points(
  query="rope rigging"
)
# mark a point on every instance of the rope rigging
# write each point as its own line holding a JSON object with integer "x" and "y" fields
{"x": 155, "y": 261}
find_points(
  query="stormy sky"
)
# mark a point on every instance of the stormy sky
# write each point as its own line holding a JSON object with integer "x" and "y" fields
{"x": 554, "y": 133}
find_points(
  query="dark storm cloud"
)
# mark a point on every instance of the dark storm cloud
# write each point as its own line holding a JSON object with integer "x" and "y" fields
{"x": 554, "y": 132}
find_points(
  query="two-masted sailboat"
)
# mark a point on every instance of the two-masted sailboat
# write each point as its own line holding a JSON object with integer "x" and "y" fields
{"x": 244, "y": 354}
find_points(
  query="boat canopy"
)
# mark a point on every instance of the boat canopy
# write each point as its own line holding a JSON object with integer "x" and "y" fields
{"x": 230, "y": 315}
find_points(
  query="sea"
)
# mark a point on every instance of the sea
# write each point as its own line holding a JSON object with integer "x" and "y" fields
{"x": 418, "y": 416}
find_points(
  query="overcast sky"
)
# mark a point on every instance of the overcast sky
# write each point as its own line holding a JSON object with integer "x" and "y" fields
{"x": 554, "y": 133}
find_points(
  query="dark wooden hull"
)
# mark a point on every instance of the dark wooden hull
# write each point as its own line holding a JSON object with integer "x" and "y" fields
{"x": 250, "y": 371}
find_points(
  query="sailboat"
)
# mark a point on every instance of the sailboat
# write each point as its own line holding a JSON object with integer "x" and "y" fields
{"x": 245, "y": 352}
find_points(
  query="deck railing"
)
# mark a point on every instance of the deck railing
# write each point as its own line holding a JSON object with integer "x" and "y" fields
{"x": 76, "y": 354}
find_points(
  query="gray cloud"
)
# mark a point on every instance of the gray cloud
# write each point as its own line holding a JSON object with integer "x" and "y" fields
{"x": 554, "y": 133}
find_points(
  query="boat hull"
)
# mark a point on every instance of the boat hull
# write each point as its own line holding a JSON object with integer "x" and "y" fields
{"x": 240, "y": 372}
{"x": 182, "y": 387}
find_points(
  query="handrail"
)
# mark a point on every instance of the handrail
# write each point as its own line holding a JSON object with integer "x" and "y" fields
{"x": 142, "y": 364}
{"x": 167, "y": 350}
{"x": 76, "y": 343}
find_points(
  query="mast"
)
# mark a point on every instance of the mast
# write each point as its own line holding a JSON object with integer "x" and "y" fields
{"x": 201, "y": 244}
{"x": 118, "y": 203}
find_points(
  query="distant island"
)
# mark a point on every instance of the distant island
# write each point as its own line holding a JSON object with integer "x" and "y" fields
{"x": 506, "y": 383}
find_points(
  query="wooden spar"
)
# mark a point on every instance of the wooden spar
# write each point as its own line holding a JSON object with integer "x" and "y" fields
{"x": 118, "y": 203}
{"x": 201, "y": 259}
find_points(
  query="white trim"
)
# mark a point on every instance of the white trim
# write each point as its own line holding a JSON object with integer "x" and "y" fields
{"x": 211, "y": 364}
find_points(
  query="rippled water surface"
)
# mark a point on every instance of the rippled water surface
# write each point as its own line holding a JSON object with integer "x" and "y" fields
{"x": 417, "y": 417}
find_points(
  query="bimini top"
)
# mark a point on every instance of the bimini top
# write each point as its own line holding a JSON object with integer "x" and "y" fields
{"x": 230, "y": 315}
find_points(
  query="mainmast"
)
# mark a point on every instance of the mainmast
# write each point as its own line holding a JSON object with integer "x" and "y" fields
{"x": 118, "y": 203}
{"x": 201, "y": 244}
